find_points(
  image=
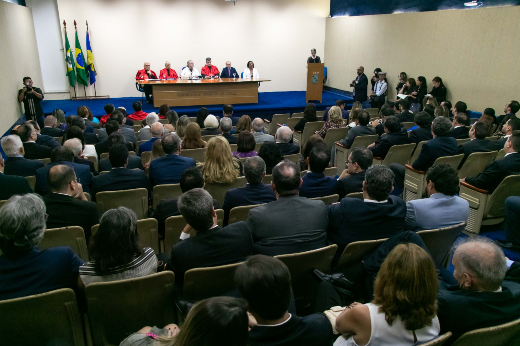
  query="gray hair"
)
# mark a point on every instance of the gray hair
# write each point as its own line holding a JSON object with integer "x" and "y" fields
{"x": 483, "y": 259}
{"x": 22, "y": 223}
{"x": 196, "y": 207}
{"x": 157, "y": 129}
{"x": 441, "y": 126}
{"x": 11, "y": 145}
{"x": 211, "y": 122}
{"x": 182, "y": 123}
{"x": 152, "y": 118}
{"x": 74, "y": 145}
{"x": 50, "y": 121}
{"x": 284, "y": 134}
{"x": 254, "y": 168}
{"x": 226, "y": 124}
{"x": 171, "y": 143}
{"x": 379, "y": 181}
{"x": 258, "y": 124}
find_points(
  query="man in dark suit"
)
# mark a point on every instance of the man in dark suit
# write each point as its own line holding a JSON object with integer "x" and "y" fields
{"x": 255, "y": 192}
{"x": 16, "y": 164}
{"x": 168, "y": 169}
{"x": 90, "y": 138}
{"x": 478, "y": 142}
{"x": 126, "y": 130}
{"x": 119, "y": 177}
{"x": 282, "y": 138}
{"x": 226, "y": 127}
{"x": 360, "y": 85}
{"x": 292, "y": 223}
{"x": 76, "y": 147}
{"x": 66, "y": 204}
{"x": 213, "y": 246}
{"x": 229, "y": 72}
{"x": 157, "y": 133}
{"x": 50, "y": 127}
{"x": 134, "y": 161}
{"x": 423, "y": 132}
{"x": 459, "y": 129}
{"x": 386, "y": 111}
{"x": 460, "y": 108}
{"x": 378, "y": 216}
{"x": 496, "y": 171}
{"x": 361, "y": 129}
{"x": 405, "y": 114}
{"x": 513, "y": 124}
{"x": 314, "y": 182}
{"x": 12, "y": 184}
{"x": 395, "y": 135}
{"x": 512, "y": 225}
{"x": 44, "y": 140}
{"x": 32, "y": 150}
{"x": 341, "y": 105}
{"x": 352, "y": 178}
{"x": 111, "y": 127}
{"x": 511, "y": 108}
{"x": 227, "y": 112}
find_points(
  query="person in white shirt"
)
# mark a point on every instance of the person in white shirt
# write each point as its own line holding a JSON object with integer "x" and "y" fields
{"x": 378, "y": 95}
{"x": 190, "y": 70}
{"x": 250, "y": 72}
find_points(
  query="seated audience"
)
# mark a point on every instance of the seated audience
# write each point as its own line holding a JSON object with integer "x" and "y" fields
{"x": 16, "y": 164}
{"x": 430, "y": 110}
{"x": 25, "y": 270}
{"x": 202, "y": 113}
{"x": 76, "y": 147}
{"x": 76, "y": 132}
{"x": 168, "y": 169}
{"x": 63, "y": 156}
{"x": 271, "y": 154}
{"x": 309, "y": 115}
{"x": 138, "y": 113}
{"x": 119, "y": 177}
{"x": 243, "y": 124}
{"x": 344, "y": 112}
{"x": 163, "y": 110}
{"x": 405, "y": 115}
{"x": 115, "y": 252}
{"x": 441, "y": 111}
{"x": 66, "y": 204}
{"x": 220, "y": 167}
{"x": 157, "y": 133}
{"x": 395, "y": 135}
{"x": 213, "y": 245}
{"x": 439, "y": 91}
{"x": 292, "y": 223}
{"x": 488, "y": 116}
{"x": 314, "y": 182}
{"x": 460, "y": 107}
{"x": 181, "y": 126}
{"x": 459, "y": 129}
{"x": 283, "y": 138}
{"x": 352, "y": 178}
{"x": 378, "y": 124}
{"x": 512, "y": 224}
{"x": 211, "y": 126}
{"x": 255, "y": 192}
{"x": 172, "y": 117}
{"x": 512, "y": 124}
{"x": 478, "y": 142}
{"x": 443, "y": 208}
{"x": 45, "y": 140}
{"x": 126, "y": 130}
{"x": 227, "y": 112}
{"x": 60, "y": 118}
{"x": 87, "y": 116}
{"x": 109, "y": 108}
{"x": 111, "y": 127}
{"x": 245, "y": 145}
{"x": 311, "y": 142}
{"x": 32, "y": 150}
{"x": 423, "y": 132}
{"x": 226, "y": 127}
{"x": 12, "y": 184}
{"x": 258, "y": 132}
{"x": 265, "y": 282}
{"x": 192, "y": 137}
{"x": 511, "y": 108}
{"x": 51, "y": 128}
{"x": 361, "y": 129}
{"x": 145, "y": 134}
{"x": 496, "y": 171}
{"x": 90, "y": 138}
{"x": 357, "y": 108}
{"x": 134, "y": 161}
{"x": 335, "y": 121}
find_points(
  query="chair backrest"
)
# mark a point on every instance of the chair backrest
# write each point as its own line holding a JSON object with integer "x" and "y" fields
{"x": 309, "y": 129}
{"x": 500, "y": 155}
{"x": 193, "y": 119}
{"x": 492, "y": 138}
{"x": 105, "y": 155}
{"x": 161, "y": 192}
{"x": 119, "y": 308}
{"x": 267, "y": 179}
{"x": 198, "y": 155}
{"x": 59, "y": 139}
{"x": 277, "y": 119}
{"x": 399, "y": 154}
{"x": 135, "y": 199}
{"x": 139, "y": 143}
{"x": 355, "y": 251}
{"x": 328, "y": 199}
{"x": 408, "y": 125}
{"x": 495, "y": 206}
{"x": 417, "y": 151}
{"x": 291, "y": 122}
{"x": 207, "y": 137}
{"x": 218, "y": 191}
{"x": 476, "y": 163}
{"x": 87, "y": 195}
{"x": 440, "y": 241}
{"x": 53, "y": 317}
{"x": 363, "y": 141}
{"x": 202, "y": 283}
{"x": 438, "y": 341}
{"x": 462, "y": 140}
{"x": 163, "y": 121}
{"x": 500, "y": 335}
{"x": 240, "y": 213}
{"x": 294, "y": 157}
{"x": 72, "y": 236}
{"x": 2, "y": 203}
{"x": 94, "y": 160}
{"x": 330, "y": 172}
{"x": 146, "y": 157}
{"x": 297, "y": 115}
{"x": 45, "y": 161}
{"x": 453, "y": 161}
{"x": 32, "y": 181}
{"x": 320, "y": 114}
{"x": 358, "y": 195}
{"x": 257, "y": 147}
{"x": 334, "y": 135}
{"x": 136, "y": 128}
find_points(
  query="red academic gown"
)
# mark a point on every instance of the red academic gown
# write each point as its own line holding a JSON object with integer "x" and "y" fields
{"x": 141, "y": 75}
{"x": 137, "y": 115}
{"x": 164, "y": 74}
{"x": 207, "y": 71}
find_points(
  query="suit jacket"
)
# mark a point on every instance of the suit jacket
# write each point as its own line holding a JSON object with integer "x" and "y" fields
{"x": 229, "y": 74}
{"x": 420, "y": 134}
{"x": 230, "y": 138}
{"x": 352, "y": 183}
{"x": 133, "y": 162}
{"x": 91, "y": 138}
{"x": 360, "y": 89}
{"x": 354, "y": 220}
{"x": 248, "y": 195}
{"x": 145, "y": 134}
{"x": 385, "y": 142}
{"x": 21, "y": 166}
{"x": 495, "y": 172}
{"x": 65, "y": 211}
{"x": 128, "y": 133}
{"x": 168, "y": 169}
{"x": 36, "y": 151}
{"x": 52, "y": 131}
{"x": 357, "y": 131}
{"x": 92, "y": 124}
{"x": 82, "y": 174}
{"x": 438, "y": 211}
{"x": 214, "y": 247}
{"x": 120, "y": 179}
{"x": 460, "y": 132}
{"x": 288, "y": 225}
{"x": 474, "y": 146}
{"x": 432, "y": 150}
{"x": 318, "y": 185}
{"x": 13, "y": 185}
{"x": 89, "y": 163}
{"x": 210, "y": 132}
{"x": 262, "y": 137}
{"x": 406, "y": 117}
{"x": 102, "y": 147}
{"x": 147, "y": 146}
{"x": 288, "y": 148}
{"x": 499, "y": 143}
{"x": 47, "y": 141}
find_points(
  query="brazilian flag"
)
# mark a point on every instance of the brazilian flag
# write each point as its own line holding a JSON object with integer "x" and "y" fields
{"x": 69, "y": 58}
{"x": 81, "y": 73}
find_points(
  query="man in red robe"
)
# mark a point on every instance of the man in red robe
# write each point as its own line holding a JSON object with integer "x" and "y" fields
{"x": 167, "y": 72}
{"x": 209, "y": 70}
{"x": 138, "y": 112}
{"x": 145, "y": 74}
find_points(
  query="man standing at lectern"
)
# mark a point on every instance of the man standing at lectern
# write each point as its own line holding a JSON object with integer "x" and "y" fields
{"x": 360, "y": 85}
{"x": 167, "y": 72}
{"x": 145, "y": 74}
{"x": 210, "y": 70}
{"x": 229, "y": 71}
{"x": 190, "y": 70}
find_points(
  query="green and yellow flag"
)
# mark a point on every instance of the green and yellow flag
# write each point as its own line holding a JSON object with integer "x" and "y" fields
{"x": 81, "y": 73}
{"x": 69, "y": 58}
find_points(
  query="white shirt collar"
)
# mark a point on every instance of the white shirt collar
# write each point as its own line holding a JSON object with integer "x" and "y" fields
{"x": 64, "y": 194}
{"x": 366, "y": 200}
{"x": 514, "y": 152}
{"x": 507, "y": 136}
{"x": 458, "y": 126}
{"x": 275, "y": 325}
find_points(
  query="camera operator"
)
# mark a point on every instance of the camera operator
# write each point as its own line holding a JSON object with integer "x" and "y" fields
{"x": 31, "y": 97}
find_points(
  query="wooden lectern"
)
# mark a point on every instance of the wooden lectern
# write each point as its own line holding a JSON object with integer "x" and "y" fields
{"x": 314, "y": 82}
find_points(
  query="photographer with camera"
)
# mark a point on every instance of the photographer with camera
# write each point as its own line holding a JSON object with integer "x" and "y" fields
{"x": 31, "y": 97}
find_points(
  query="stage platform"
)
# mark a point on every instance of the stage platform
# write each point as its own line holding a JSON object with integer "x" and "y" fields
{"x": 269, "y": 103}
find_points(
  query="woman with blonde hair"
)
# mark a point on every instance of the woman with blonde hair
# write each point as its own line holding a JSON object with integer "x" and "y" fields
{"x": 243, "y": 124}
{"x": 192, "y": 137}
{"x": 442, "y": 111}
{"x": 335, "y": 121}
{"x": 182, "y": 123}
{"x": 219, "y": 165}
{"x": 430, "y": 100}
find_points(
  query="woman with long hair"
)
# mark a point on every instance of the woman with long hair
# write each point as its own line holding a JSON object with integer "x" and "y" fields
{"x": 407, "y": 89}
{"x": 182, "y": 123}
{"x": 307, "y": 148}
{"x": 192, "y": 137}
{"x": 245, "y": 145}
{"x": 309, "y": 115}
{"x": 60, "y": 118}
{"x": 243, "y": 124}
{"x": 163, "y": 110}
{"x": 201, "y": 116}
{"x": 404, "y": 309}
{"x": 219, "y": 165}
{"x": 271, "y": 155}
{"x": 430, "y": 100}
{"x": 419, "y": 92}
{"x": 403, "y": 79}
{"x": 335, "y": 121}
{"x": 439, "y": 91}
{"x": 172, "y": 117}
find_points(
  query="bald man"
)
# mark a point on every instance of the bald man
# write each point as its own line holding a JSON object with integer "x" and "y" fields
{"x": 190, "y": 71}
{"x": 229, "y": 71}
{"x": 157, "y": 130}
{"x": 145, "y": 74}
{"x": 360, "y": 85}
{"x": 167, "y": 72}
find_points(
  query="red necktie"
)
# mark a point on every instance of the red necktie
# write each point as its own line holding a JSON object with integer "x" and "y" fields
{"x": 229, "y": 72}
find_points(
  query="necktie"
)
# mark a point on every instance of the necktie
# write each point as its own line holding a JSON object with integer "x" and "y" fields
{"x": 229, "y": 72}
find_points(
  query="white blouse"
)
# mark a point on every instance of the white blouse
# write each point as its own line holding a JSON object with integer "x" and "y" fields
{"x": 187, "y": 73}
{"x": 247, "y": 74}
{"x": 380, "y": 88}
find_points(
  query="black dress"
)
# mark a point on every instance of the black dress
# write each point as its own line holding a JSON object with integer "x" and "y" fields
{"x": 317, "y": 60}
{"x": 439, "y": 93}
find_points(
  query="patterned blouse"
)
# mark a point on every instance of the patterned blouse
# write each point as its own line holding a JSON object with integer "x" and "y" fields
{"x": 329, "y": 125}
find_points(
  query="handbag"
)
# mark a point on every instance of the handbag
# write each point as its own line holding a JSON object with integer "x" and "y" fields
{"x": 333, "y": 314}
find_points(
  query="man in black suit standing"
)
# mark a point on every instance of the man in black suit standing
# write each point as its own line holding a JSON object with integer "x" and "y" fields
{"x": 119, "y": 177}
{"x": 12, "y": 184}
{"x": 16, "y": 164}
{"x": 134, "y": 161}
{"x": 292, "y": 223}
{"x": 255, "y": 192}
{"x": 50, "y": 127}
{"x": 513, "y": 124}
{"x": 405, "y": 114}
{"x": 282, "y": 138}
{"x": 76, "y": 147}
{"x": 66, "y": 203}
{"x": 352, "y": 178}
{"x": 459, "y": 129}
{"x": 478, "y": 142}
{"x": 111, "y": 127}
{"x": 395, "y": 135}
{"x": 213, "y": 246}
{"x": 28, "y": 135}
{"x": 360, "y": 85}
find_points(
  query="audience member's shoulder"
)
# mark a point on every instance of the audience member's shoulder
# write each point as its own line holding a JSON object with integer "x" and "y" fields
{"x": 236, "y": 227}
{"x": 60, "y": 253}
{"x": 397, "y": 200}
{"x": 321, "y": 326}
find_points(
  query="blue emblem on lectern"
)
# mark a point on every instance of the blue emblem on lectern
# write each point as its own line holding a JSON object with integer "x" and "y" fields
{"x": 315, "y": 79}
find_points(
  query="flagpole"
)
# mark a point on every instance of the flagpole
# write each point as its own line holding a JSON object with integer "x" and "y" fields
{"x": 95, "y": 91}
